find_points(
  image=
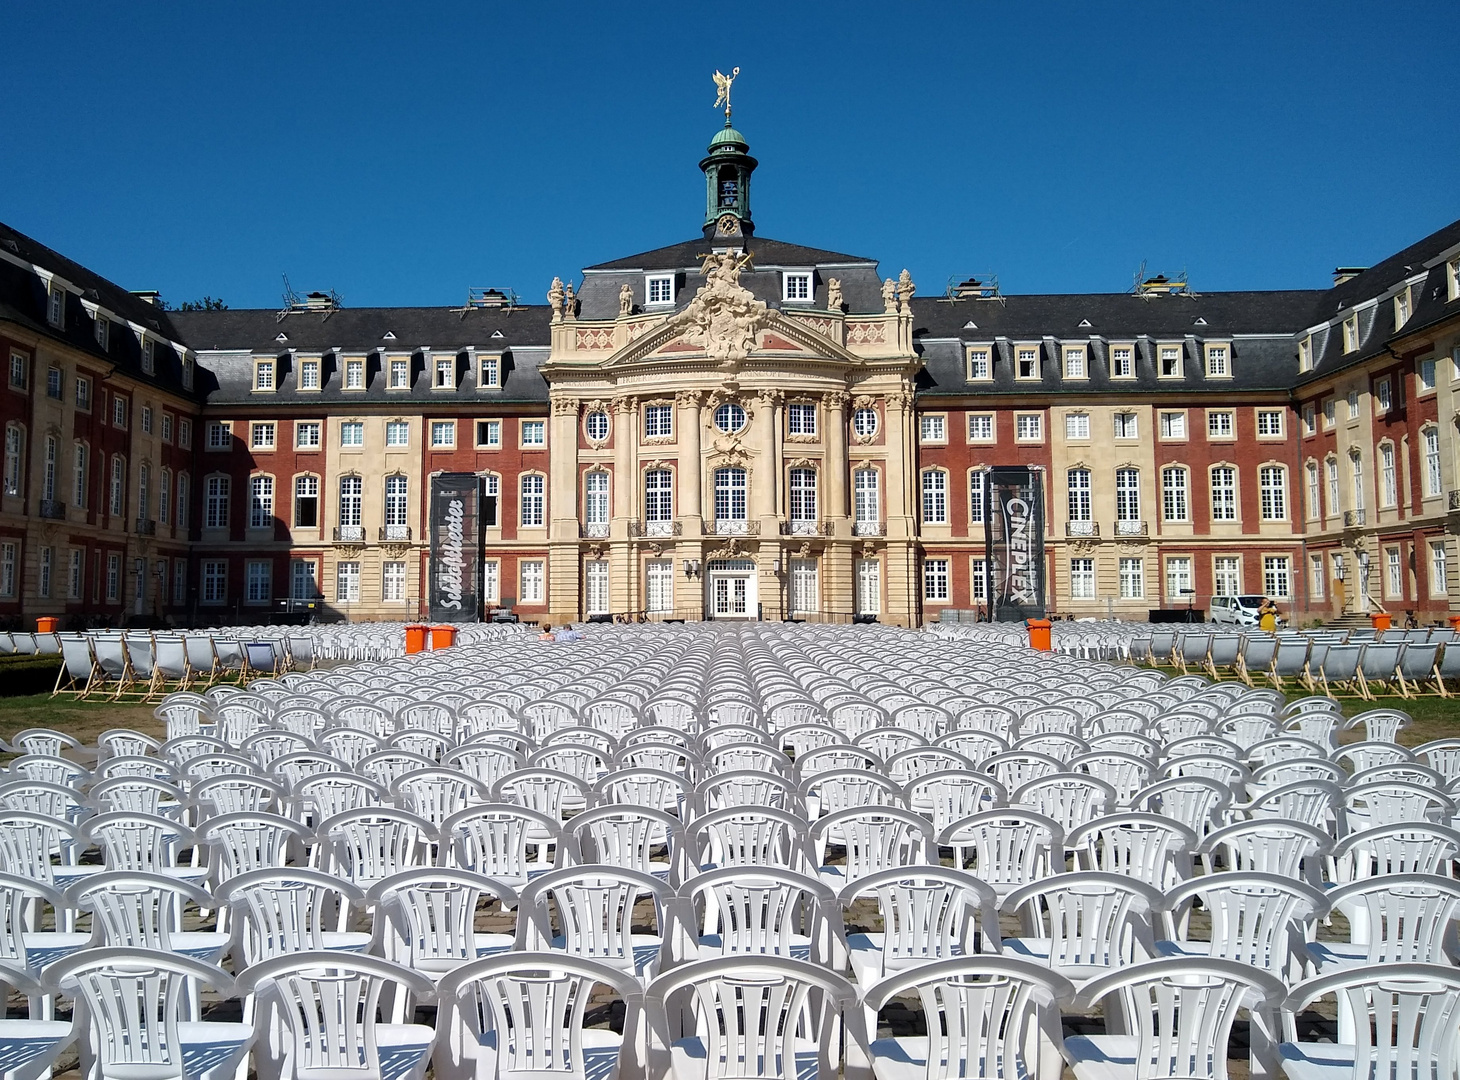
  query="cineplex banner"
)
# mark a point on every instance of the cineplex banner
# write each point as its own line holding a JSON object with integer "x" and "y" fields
{"x": 1014, "y": 539}
{"x": 456, "y": 548}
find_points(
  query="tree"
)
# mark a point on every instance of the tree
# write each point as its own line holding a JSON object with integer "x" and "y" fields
{"x": 207, "y": 303}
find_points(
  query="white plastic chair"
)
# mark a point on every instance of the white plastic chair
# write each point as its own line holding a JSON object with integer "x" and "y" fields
{"x": 1083, "y": 924}
{"x": 629, "y": 836}
{"x": 371, "y": 844}
{"x": 762, "y": 911}
{"x": 1150, "y": 847}
{"x": 928, "y": 913}
{"x": 432, "y": 913}
{"x": 594, "y": 908}
{"x": 751, "y": 836}
{"x": 291, "y": 910}
{"x": 873, "y": 838}
{"x": 1394, "y": 919}
{"x": 504, "y": 842}
{"x": 1259, "y": 919}
{"x": 1009, "y": 848}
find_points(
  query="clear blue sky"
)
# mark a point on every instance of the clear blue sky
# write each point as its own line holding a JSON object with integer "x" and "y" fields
{"x": 399, "y": 153}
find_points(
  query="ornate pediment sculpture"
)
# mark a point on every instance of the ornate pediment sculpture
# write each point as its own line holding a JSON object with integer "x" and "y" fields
{"x": 724, "y": 316}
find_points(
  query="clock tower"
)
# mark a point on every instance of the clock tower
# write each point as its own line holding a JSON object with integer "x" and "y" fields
{"x": 727, "y": 170}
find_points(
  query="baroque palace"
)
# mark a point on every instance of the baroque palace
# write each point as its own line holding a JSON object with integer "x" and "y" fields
{"x": 730, "y": 427}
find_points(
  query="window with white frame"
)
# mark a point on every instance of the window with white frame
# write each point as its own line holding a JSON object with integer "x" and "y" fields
{"x": 185, "y": 434}
{"x": 1026, "y": 362}
{"x": 1310, "y": 419}
{"x": 1439, "y": 568}
{"x": 489, "y": 434}
{"x": 1224, "y": 493}
{"x": 805, "y": 590}
{"x": 119, "y": 412}
{"x": 306, "y": 502}
{"x": 801, "y": 418}
{"x": 660, "y": 289}
{"x": 534, "y": 434}
{"x": 303, "y": 579}
{"x": 979, "y": 367}
{"x": 533, "y": 489}
{"x": 445, "y": 373}
{"x": 1077, "y": 426}
{"x": 1170, "y": 359}
{"x": 533, "y": 575}
{"x": 1220, "y": 424}
{"x": 114, "y": 577}
{"x": 1028, "y": 427}
{"x": 730, "y": 494}
{"x": 1427, "y": 374}
{"x": 933, "y": 428}
{"x": 1316, "y": 584}
{"x": 1132, "y": 579}
{"x": 978, "y": 580}
{"x": 1075, "y": 363}
{"x": 1277, "y": 576}
{"x": 935, "y": 579}
{"x": 351, "y": 493}
{"x": 868, "y": 575}
{"x": 261, "y": 502}
{"x": 443, "y": 434}
{"x": 491, "y": 499}
{"x": 596, "y": 425}
{"x": 1314, "y": 486}
{"x": 1127, "y": 495}
{"x": 347, "y": 582}
{"x": 1330, "y": 412}
{"x": 1175, "y": 501}
{"x": 309, "y": 374}
{"x": 14, "y": 444}
{"x": 1122, "y": 362}
{"x": 164, "y": 497}
{"x": 146, "y": 419}
{"x": 1383, "y": 395}
{"x": 1353, "y": 404}
{"x": 55, "y": 388}
{"x": 595, "y": 502}
{"x": 797, "y": 287}
{"x": 489, "y": 372}
{"x": 1226, "y": 575}
{"x": 184, "y": 490}
{"x": 1217, "y": 367}
{"x": 56, "y": 306}
{"x": 214, "y": 581}
{"x": 659, "y": 585}
{"x": 149, "y": 349}
{"x": 144, "y": 493}
{"x": 263, "y": 375}
{"x": 1270, "y": 423}
{"x": 1433, "y": 480}
{"x": 1173, "y": 425}
{"x": 78, "y": 474}
{"x": 118, "y": 486}
{"x": 935, "y": 497}
{"x": 393, "y": 582}
{"x": 658, "y": 421}
{"x": 1356, "y": 469}
{"x": 867, "y": 498}
{"x": 1331, "y": 466}
{"x": 261, "y": 435}
{"x": 1077, "y": 487}
{"x": 8, "y": 559}
{"x": 658, "y": 496}
{"x": 1126, "y": 426}
{"x": 1305, "y": 354}
{"x": 1272, "y": 483}
{"x": 1393, "y": 574}
{"x": 1388, "y": 479}
{"x": 803, "y": 497}
{"x": 354, "y": 374}
{"x": 398, "y": 433}
{"x": 83, "y": 393}
{"x": 980, "y": 427}
{"x": 400, "y": 373}
{"x": 397, "y": 508}
{"x": 595, "y": 587}
{"x": 491, "y": 581}
{"x": 977, "y": 496}
{"x": 864, "y": 423}
{"x": 220, "y": 435}
{"x": 101, "y": 330}
{"x": 352, "y": 433}
{"x": 75, "y": 574}
{"x": 1351, "y": 333}
{"x": 1082, "y": 579}
{"x": 1178, "y": 578}
{"x": 258, "y": 579}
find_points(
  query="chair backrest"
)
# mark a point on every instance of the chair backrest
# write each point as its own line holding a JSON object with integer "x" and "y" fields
{"x": 1091, "y": 920}
{"x": 287, "y": 910}
{"x": 139, "y": 911}
{"x": 1256, "y": 919}
{"x": 1400, "y": 918}
{"x": 594, "y": 908}
{"x": 434, "y": 910}
{"x": 764, "y": 911}
{"x": 928, "y": 913}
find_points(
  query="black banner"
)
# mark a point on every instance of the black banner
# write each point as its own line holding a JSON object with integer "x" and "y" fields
{"x": 456, "y": 548}
{"x": 1014, "y": 542}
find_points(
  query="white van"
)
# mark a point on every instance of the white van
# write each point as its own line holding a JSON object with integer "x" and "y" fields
{"x": 1239, "y": 610}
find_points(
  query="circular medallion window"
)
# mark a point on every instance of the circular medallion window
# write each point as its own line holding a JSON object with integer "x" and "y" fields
{"x": 729, "y": 417}
{"x": 864, "y": 422}
{"x": 596, "y": 424}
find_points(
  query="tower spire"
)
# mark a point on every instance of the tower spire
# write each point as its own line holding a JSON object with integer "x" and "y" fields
{"x": 727, "y": 171}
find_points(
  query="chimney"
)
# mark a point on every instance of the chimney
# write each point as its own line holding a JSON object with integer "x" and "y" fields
{"x": 151, "y": 296}
{"x": 1346, "y": 273}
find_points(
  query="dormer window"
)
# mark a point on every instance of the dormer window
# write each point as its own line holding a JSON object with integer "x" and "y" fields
{"x": 1075, "y": 363}
{"x": 309, "y": 374}
{"x": 490, "y": 375}
{"x": 187, "y": 372}
{"x": 446, "y": 373}
{"x": 263, "y": 375}
{"x": 796, "y": 287}
{"x": 400, "y": 373}
{"x": 1170, "y": 361}
{"x": 354, "y": 374}
{"x": 1351, "y": 333}
{"x": 56, "y": 306}
{"x": 1452, "y": 279}
{"x": 659, "y": 288}
{"x": 1305, "y": 354}
{"x": 978, "y": 363}
{"x": 1217, "y": 362}
{"x": 1027, "y": 361}
{"x": 147, "y": 353}
{"x": 1122, "y": 362}
{"x": 102, "y": 330}
{"x": 1402, "y": 308}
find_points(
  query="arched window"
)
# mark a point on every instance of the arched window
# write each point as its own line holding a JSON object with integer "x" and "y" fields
{"x": 397, "y": 497}
{"x": 260, "y": 502}
{"x": 48, "y": 478}
{"x": 977, "y": 496}
{"x": 164, "y": 497}
{"x": 351, "y": 491}
{"x": 595, "y": 504}
{"x": 78, "y": 474}
{"x": 803, "y": 500}
{"x": 184, "y": 492}
{"x": 144, "y": 491}
{"x": 867, "y": 495}
{"x": 1224, "y": 493}
{"x": 1272, "y": 483}
{"x": 935, "y": 497}
{"x": 14, "y": 444}
{"x": 118, "y": 490}
{"x": 1356, "y": 468}
{"x": 730, "y": 494}
{"x": 1077, "y": 483}
{"x": 1331, "y": 465}
{"x": 534, "y": 500}
{"x": 1310, "y": 471}
{"x": 1433, "y": 480}
{"x": 306, "y": 502}
{"x": 1388, "y": 480}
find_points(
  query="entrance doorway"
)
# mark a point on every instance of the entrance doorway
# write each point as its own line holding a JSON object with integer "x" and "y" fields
{"x": 731, "y": 587}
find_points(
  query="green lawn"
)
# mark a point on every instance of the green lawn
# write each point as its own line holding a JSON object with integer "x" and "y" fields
{"x": 82, "y": 720}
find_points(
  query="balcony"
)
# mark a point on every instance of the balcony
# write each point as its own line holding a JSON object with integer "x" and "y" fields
{"x": 1133, "y": 527}
{"x": 146, "y": 527}
{"x": 869, "y": 528}
{"x": 594, "y": 530}
{"x": 1086, "y": 529}
{"x": 349, "y": 534}
{"x": 655, "y": 528}
{"x": 806, "y": 528}
{"x": 395, "y": 534}
{"x": 1455, "y": 500}
{"x": 734, "y": 527}
{"x": 1354, "y": 519}
{"x": 52, "y": 509}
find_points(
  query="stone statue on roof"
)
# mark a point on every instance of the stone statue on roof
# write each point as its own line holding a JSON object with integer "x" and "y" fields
{"x": 626, "y": 299}
{"x": 555, "y": 298}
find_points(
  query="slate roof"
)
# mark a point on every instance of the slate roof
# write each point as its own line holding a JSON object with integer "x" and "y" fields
{"x": 767, "y": 251}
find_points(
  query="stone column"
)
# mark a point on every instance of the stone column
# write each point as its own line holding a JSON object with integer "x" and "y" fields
{"x": 901, "y": 464}
{"x": 625, "y": 437}
{"x": 691, "y": 468}
{"x": 766, "y": 478}
{"x": 563, "y": 472}
{"x": 836, "y": 454}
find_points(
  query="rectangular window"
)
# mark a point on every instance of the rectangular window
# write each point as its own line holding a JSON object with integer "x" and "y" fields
{"x": 489, "y": 434}
{"x": 19, "y": 366}
{"x": 119, "y": 412}
{"x": 978, "y": 579}
{"x": 595, "y": 587}
{"x": 78, "y": 475}
{"x": 179, "y": 581}
{"x": 1125, "y": 426}
{"x": 933, "y": 429}
{"x": 1383, "y": 396}
{"x": 1217, "y": 362}
{"x": 215, "y": 581}
{"x": 1170, "y": 361}
{"x": 1226, "y": 575}
{"x": 261, "y": 502}
{"x": 1388, "y": 481}
{"x": 866, "y": 490}
{"x": 534, "y": 433}
{"x": 730, "y": 495}
{"x": 351, "y": 489}
{"x": 304, "y": 579}
{"x": 263, "y": 375}
{"x": 393, "y": 582}
{"x": 183, "y": 492}
{"x": 146, "y": 420}
{"x": 56, "y": 306}
{"x": 1175, "y": 506}
{"x": 1310, "y": 419}
{"x": 309, "y": 374}
{"x": 801, "y": 418}
{"x": 352, "y": 433}
{"x": 83, "y": 393}
{"x": 185, "y": 434}
{"x": 258, "y": 579}
{"x": 1439, "y": 569}
{"x": 1173, "y": 425}
{"x": 7, "y": 569}
{"x": 1122, "y": 362}
{"x": 659, "y": 580}
{"x": 1316, "y": 584}
{"x": 978, "y": 365}
{"x": 1077, "y": 425}
{"x": 306, "y": 502}
{"x": 1305, "y": 354}
{"x": 148, "y": 351}
{"x": 1393, "y": 574}
{"x": 595, "y": 502}
{"x": 1277, "y": 578}
{"x": 1331, "y": 465}
{"x": 1220, "y": 424}
{"x": 354, "y": 374}
{"x": 797, "y": 287}
{"x": 1353, "y": 404}
{"x": 868, "y": 574}
{"x": 398, "y": 433}
{"x": 164, "y": 497}
{"x": 118, "y": 492}
{"x": 935, "y": 579}
{"x": 661, "y": 289}
{"x": 1314, "y": 497}
{"x": 1027, "y": 363}
{"x": 215, "y": 512}
{"x": 443, "y": 434}
{"x": 1330, "y": 412}
{"x": 1224, "y": 493}
{"x": 1273, "y": 486}
{"x": 935, "y": 497}
{"x": 534, "y": 514}
{"x": 1427, "y": 375}
{"x": 1270, "y": 423}
{"x": 101, "y": 329}
{"x": 532, "y": 574}
{"x": 1082, "y": 579}
{"x": 347, "y": 582}
{"x": 1028, "y": 427}
{"x": 492, "y": 581}
{"x": 489, "y": 372}
{"x": 1077, "y": 489}
{"x": 805, "y": 593}
{"x": 1074, "y": 363}
{"x": 1178, "y": 579}
{"x": 1433, "y": 479}
{"x": 54, "y": 383}
{"x": 1132, "y": 579}
{"x": 445, "y": 373}
{"x": 980, "y": 427}
{"x": 400, "y": 373}
{"x": 803, "y": 498}
{"x": 307, "y": 435}
{"x": 75, "y": 574}
{"x": 1351, "y": 333}
{"x": 220, "y": 435}
{"x": 658, "y": 421}
{"x": 977, "y": 496}
{"x": 261, "y": 435}
{"x": 1127, "y": 497}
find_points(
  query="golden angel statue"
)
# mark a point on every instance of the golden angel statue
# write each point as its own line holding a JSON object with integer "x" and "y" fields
{"x": 722, "y": 87}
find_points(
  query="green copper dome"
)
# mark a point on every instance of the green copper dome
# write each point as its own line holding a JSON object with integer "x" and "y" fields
{"x": 727, "y": 136}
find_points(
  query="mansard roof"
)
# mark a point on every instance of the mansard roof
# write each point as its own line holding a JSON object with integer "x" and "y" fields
{"x": 691, "y": 253}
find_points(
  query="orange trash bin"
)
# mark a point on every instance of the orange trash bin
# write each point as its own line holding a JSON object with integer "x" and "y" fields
{"x": 442, "y": 637}
{"x": 47, "y": 624}
{"x": 1038, "y": 634}
{"x": 1382, "y": 620}
{"x": 415, "y": 638}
